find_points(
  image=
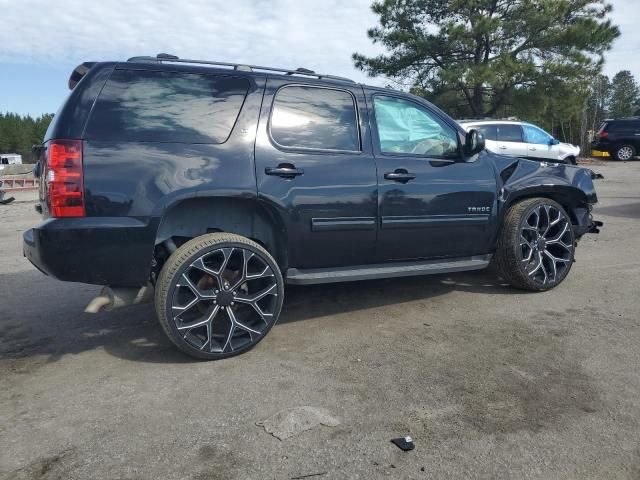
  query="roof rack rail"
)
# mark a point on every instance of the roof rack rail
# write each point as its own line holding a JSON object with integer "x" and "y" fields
{"x": 165, "y": 57}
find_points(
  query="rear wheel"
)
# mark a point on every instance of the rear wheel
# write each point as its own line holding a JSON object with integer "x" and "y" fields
{"x": 571, "y": 161}
{"x": 218, "y": 295}
{"x": 624, "y": 153}
{"x": 536, "y": 245}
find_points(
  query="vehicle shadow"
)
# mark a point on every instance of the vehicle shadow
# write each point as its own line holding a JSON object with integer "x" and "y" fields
{"x": 43, "y": 319}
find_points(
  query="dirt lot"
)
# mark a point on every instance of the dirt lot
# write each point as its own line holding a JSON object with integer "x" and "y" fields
{"x": 490, "y": 382}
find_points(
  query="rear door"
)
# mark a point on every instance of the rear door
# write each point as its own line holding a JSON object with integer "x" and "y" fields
{"x": 510, "y": 140}
{"x": 315, "y": 167}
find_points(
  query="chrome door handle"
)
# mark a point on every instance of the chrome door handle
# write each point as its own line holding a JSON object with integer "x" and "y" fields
{"x": 284, "y": 170}
{"x": 502, "y": 147}
{"x": 400, "y": 175}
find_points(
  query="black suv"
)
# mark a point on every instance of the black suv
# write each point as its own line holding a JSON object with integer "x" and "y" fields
{"x": 209, "y": 186}
{"x": 620, "y": 138}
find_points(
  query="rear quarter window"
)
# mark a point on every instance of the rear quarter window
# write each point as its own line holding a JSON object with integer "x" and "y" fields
{"x": 154, "y": 106}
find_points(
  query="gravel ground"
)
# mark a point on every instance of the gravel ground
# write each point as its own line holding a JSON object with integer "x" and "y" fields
{"x": 490, "y": 382}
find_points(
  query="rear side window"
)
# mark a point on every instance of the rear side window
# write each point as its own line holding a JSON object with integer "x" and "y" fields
{"x": 314, "y": 118}
{"x": 148, "y": 106}
{"x": 509, "y": 133}
{"x": 490, "y": 132}
{"x": 623, "y": 127}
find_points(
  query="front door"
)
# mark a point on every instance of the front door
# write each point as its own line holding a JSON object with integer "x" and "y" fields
{"x": 433, "y": 202}
{"x": 315, "y": 167}
{"x": 540, "y": 144}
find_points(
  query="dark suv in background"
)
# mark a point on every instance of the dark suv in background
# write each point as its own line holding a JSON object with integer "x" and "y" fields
{"x": 620, "y": 138}
{"x": 207, "y": 186}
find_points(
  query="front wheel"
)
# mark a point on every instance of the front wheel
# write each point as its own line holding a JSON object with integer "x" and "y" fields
{"x": 536, "y": 245}
{"x": 218, "y": 295}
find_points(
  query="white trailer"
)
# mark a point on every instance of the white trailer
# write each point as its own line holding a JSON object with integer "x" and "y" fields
{"x": 10, "y": 159}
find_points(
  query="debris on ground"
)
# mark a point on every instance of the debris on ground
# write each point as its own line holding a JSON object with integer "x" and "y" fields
{"x": 404, "y": 443}
{"x": 300, "y": 477}
{"x": 287, "y": 423}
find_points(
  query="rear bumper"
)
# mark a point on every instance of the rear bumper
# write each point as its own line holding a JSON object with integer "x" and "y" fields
{"x": 602, "y": 146}
{"x": 97, "y": 250}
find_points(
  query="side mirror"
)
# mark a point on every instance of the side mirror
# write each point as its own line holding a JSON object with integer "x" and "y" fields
{"x": 474, "y": 143}
{"x": 553, "y": 141}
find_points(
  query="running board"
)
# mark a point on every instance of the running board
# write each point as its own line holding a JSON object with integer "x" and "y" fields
{"x": 386, "y": 270}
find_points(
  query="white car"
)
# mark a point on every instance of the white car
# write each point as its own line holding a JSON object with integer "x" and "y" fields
{"x": 522, "y": 139}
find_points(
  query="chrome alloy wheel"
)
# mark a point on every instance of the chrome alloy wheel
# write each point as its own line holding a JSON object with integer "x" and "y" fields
{"x": 225, "y": 300}
{"x": 625, "y": 153}
{"x": 546, "y": 245}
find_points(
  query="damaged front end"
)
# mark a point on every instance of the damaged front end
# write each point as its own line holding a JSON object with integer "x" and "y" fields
{"x": 570, "y": 186}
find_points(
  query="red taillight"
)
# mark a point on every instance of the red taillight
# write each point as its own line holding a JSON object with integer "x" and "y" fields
{"x": 603, "y": 134}
{"x": 64, "y": 178}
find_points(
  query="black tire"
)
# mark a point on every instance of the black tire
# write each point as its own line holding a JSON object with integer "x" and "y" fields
{"x": 190, "y": 284}
{"x": 551, "y": 257}
{"x": 571, "y": 161}
{"x": 624, "y": 153}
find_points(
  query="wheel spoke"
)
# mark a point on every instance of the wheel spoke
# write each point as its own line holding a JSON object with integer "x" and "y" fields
{"x": 242, "y": 326}
{"x": 257, "y": 296}
{"x": 537, "y": 266}
{"x": 557, "y": 240}
{"x": 547, "y": 210}
{"x": 544, "y": 269}
{"x": 184, "y": 308}
{"x": 554, "y": 268}
{"x": 226, "y": 252}
{"x": 189, "y": 284}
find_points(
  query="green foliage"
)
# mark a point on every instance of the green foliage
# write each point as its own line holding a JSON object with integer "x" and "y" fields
{"x": 625, "y": 95}
{"x": 488, "y": 57}
{"x": 18, "y": 133}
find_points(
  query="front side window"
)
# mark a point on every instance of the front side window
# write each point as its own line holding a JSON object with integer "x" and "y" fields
{"x": 314, "y": 118}
{"x": 535, "y": 135}
{"x": 509, "y": 133}
{"x": 406, "y": 127}
{"x": 153, "y": 106}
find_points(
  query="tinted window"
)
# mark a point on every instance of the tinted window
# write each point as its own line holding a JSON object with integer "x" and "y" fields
{"x": 535, "y": 135}
{"x": 490, "y": 132}
{"x": 509, "y": 133}
{"x": 406, "y": 127}
{"x": 317, "y": 118}
{"x": 623, "y": 126}
{"x": 167, "y": 107}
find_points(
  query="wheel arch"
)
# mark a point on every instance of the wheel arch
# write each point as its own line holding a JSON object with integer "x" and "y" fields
{"x": 249, "y": 217}
{"x": 569, "y": 197}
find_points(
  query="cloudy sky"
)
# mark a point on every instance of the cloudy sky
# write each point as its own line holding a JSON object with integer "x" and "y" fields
{"x": 41, "y": 41}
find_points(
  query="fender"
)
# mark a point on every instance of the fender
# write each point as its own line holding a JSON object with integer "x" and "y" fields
{"x": 570, "y": 186}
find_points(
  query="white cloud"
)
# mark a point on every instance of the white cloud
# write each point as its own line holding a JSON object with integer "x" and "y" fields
{"x": 320, "y": 34}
